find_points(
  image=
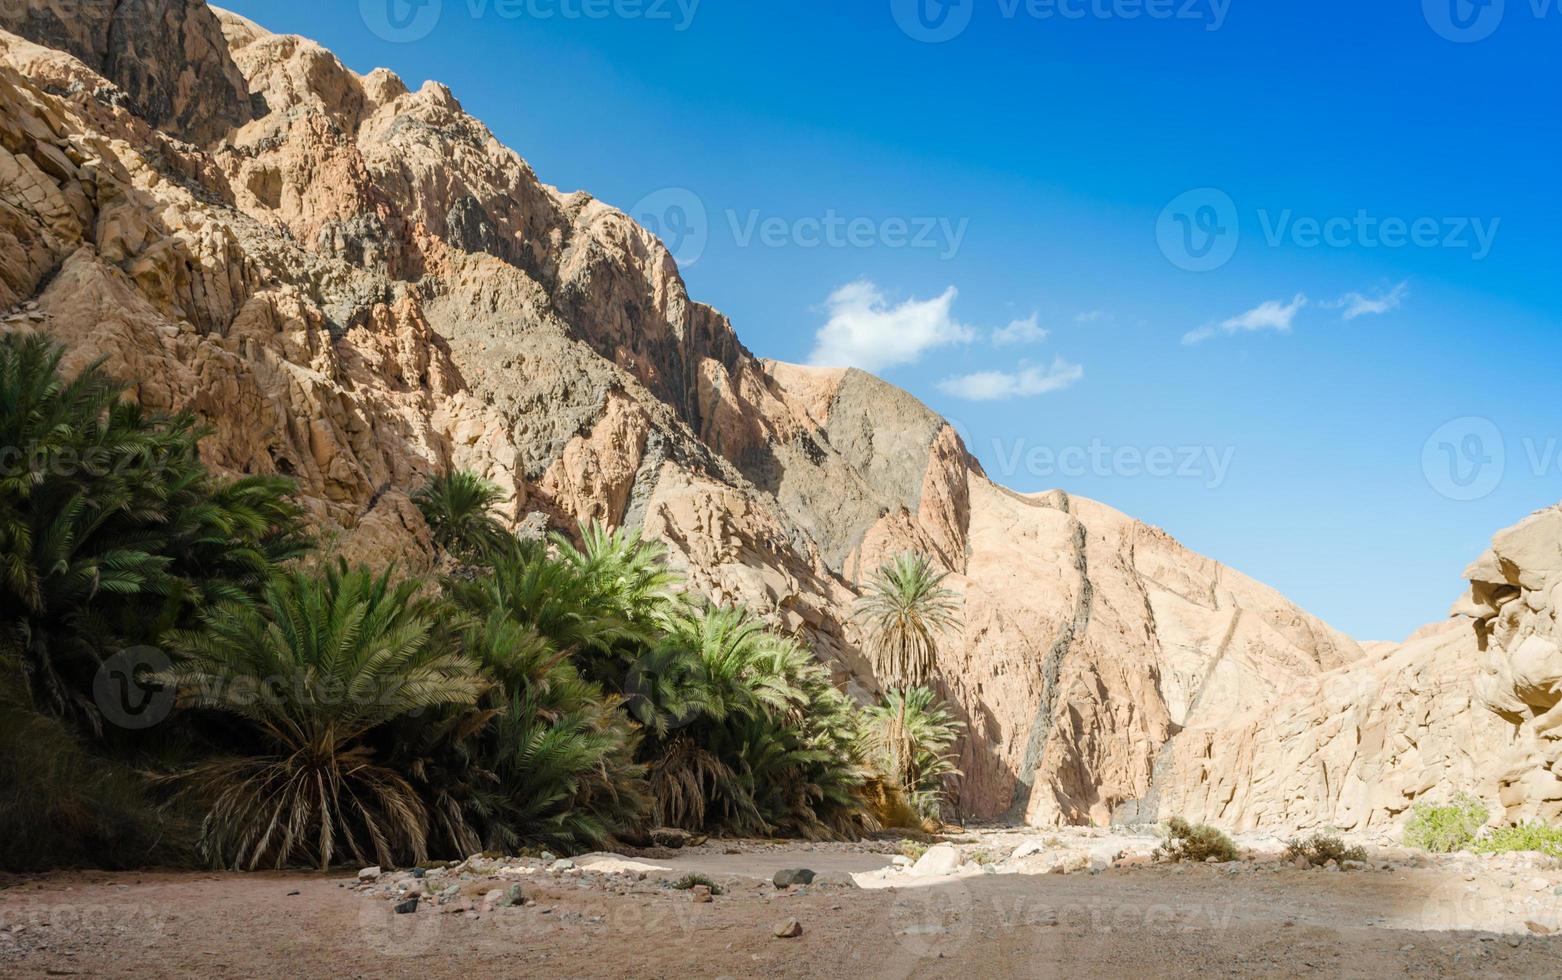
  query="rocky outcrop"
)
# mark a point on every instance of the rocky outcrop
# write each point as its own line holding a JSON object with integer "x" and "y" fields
{"x": 1515, "y": 594}
{"x": 354, "y": 283}
{"x": 167, "y": 59}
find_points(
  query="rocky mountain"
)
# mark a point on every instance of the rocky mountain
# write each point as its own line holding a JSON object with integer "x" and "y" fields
{"x": 355, "y": 284}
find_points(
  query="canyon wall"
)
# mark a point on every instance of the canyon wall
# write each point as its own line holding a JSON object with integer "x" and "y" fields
{"x": 355, "y": 284}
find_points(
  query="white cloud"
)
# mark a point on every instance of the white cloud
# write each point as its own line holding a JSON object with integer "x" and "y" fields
{"x": 1028, "y": 382}
{"x": 1093, "y": 316}
{"x": 865, "y": 331}
{"x": 1026, "y": 331}
{"x": 1274, "y": 315}
{"x": 1356, "y": 304}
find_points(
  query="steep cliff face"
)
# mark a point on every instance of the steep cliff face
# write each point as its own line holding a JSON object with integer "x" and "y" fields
{"x": 166, "y": 58}
{"x": 355, "y": 284}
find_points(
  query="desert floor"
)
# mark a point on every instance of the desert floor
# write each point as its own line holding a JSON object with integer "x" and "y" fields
{"x": 617, "y": 917}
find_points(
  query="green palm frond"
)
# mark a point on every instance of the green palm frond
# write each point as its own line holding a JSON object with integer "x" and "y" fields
{"x": 904, "y": 611}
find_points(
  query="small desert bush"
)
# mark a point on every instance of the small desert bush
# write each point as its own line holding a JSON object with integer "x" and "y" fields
{"x": 913, "y": 849}
{"x": 1523, "y": 837}
{"x": 1182, "y": 841}
{"x": 688, "y": 882}
{"x": 1319, "y": 849}
{"x": 1445, "y": 828}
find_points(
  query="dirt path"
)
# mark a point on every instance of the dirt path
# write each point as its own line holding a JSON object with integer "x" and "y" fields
{"x": 1174, "y": 922}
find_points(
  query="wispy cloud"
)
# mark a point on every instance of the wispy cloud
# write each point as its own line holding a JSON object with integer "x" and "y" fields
{"x": 1093, "y": 316}
{"x": 866, "y": 331}
{"x": 1028, "y": 382}
{"x": 1276, "y": 315}
{"x": 1026, "y": 331}
{"x": 1358, "y": 304}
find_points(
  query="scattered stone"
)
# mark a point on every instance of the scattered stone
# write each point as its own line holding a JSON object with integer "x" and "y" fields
{"x": 790, "y": 929}
{"x": 370, "y": 874}
{"x": 1028, "y": 848}
{"x": 419, "y": 872}
{"x": 561, "y": 865}
{"x": 670, "y": 837}
{"x": 793, "y": 876}
{"x": 407, "y": 907}
{"x": 941, "y": 859}
{"x": 702, "y": 895}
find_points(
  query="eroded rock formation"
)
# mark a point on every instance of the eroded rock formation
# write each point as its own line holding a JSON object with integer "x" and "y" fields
{"x": 354, "y": 283}
{"x": 1515, "y": 592}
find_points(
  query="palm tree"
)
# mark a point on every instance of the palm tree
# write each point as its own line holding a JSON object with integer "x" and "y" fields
{"x": 111, "y": 530}
{"x": 913, "y": 725}
{"x": 459, "y": 506}
{"x": 904, "y": 610}
{"x": 550, "y": 761}
{"x": 313, "y": 674}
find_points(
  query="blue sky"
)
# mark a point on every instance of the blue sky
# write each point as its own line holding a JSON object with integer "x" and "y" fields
{"x": 1279, "y": 277}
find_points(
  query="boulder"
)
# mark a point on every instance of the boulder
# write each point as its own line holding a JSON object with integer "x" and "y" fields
{"x": 940, "y": 859}
{"x": 793, "y": 876}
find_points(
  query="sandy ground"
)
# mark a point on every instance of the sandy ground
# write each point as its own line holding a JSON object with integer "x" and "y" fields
{"x": 1172, "y": 921}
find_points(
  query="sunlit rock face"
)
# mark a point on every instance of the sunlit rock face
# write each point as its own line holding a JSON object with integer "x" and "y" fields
{"x": 1515, "y": 590}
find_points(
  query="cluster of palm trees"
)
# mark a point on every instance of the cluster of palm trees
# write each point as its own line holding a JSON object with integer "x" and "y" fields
{"x": 561, "y": 693}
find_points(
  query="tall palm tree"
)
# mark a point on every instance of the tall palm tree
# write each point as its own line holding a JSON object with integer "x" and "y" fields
{"x": 904, "y": 611}
{"x": 313, "y": 674}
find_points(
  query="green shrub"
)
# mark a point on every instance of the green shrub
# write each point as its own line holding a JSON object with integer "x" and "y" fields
{"x": 111, "y": 529}
{"x": 1523, "y": 837}
{"x": 310, "y": 678}
{"x": 1182, "y": 841}
{"x": 1445, "y": 828}
{"x": 687, "y": 882}
{"x": 65, "y": 808}
{"x": 1319, "y": 849}
{"x": 913, "y": 849}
